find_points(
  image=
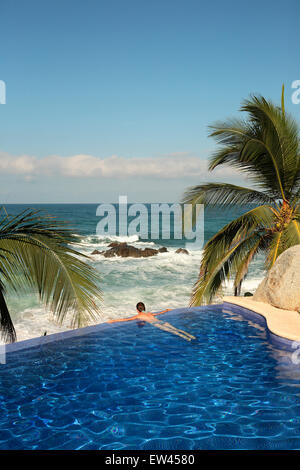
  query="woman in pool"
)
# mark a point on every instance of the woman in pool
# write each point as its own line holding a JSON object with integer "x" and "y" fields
{"x": 150, "y": 318}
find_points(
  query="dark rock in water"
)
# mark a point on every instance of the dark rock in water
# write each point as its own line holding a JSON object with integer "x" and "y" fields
{"x": 149, "y": 252}
{"x": 109, "y": 253}
{"x": 122, "y": 249}
{"x": 125, "y": 251}
{"x": 96, "y": 252}
{"x": 114, "y": 244}
{"x": 182, "y": 250}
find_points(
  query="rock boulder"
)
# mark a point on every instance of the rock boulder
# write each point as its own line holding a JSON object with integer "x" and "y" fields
{"x": 182, "y": 251}
{"x": 127, "y": 251}
{"x": 163, "y": 249}
{"x": 281, "y": 286}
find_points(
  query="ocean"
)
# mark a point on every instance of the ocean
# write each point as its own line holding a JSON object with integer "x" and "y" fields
{"x": 162, "y": 281}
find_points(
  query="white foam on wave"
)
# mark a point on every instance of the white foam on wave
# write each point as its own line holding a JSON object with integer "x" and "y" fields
{"x": 98, "y": 242}
{"x": 114, "y": 238}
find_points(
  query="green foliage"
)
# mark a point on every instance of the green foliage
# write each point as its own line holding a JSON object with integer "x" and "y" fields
{"x": 266, "y": 147}
{"x": 36, "y": 254}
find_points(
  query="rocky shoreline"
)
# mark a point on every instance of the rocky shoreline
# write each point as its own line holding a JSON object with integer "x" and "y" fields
{"x": 124, "y": 250}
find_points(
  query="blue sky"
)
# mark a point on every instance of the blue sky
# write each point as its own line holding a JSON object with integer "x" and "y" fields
{"x": 110, "y": 97}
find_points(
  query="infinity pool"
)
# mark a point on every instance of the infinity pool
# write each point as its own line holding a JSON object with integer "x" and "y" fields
{"x": 136, "y": 387}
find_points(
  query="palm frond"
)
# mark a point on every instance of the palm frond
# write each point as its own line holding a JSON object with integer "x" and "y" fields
{"x": 280, "y": 134}
{"x": 266, "y": 147}
{"x": 37, "y": 253}
{"x": 227, "y": 249}
{"x": 7, "y": 330}
{"x": 282, "y": 240}
{"x": 222, "y": 265}
{"x": 225, "y": 194}
{"x": 241, "y": 270}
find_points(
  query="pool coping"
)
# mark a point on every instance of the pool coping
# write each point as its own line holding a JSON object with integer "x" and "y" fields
{"x": 282, "y": 326}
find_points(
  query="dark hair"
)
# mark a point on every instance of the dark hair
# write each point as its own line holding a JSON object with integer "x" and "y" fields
{"x": 140, "y": 307}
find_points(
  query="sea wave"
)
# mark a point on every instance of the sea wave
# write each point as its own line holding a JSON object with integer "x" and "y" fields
{"x": 112, "y": 238}
{"x": 91, "y": 242}
{"x": 162, "y": 281}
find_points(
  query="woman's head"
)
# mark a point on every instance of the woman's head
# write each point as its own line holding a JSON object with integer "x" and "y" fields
{"x": 140, "y": 306}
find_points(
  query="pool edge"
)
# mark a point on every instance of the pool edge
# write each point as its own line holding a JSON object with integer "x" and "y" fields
{"x": 228, "y": 305}
{"x": 232, "y": 306}
{"x": 77, "y": 332}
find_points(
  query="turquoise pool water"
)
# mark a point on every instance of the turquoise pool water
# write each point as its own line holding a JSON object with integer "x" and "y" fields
{"x": 130, "y": 386}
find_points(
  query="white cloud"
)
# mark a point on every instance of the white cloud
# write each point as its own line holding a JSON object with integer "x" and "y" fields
{"x": 172, "y": 166}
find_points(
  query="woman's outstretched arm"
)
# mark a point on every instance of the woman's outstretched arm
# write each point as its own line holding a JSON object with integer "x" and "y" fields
{"x": 163, "y": 311}
{"x": 123, "y": 319}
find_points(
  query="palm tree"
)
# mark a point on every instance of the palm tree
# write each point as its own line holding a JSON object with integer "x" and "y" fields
{"x": 266, "y": 148}
{"x": 36, "y": 253}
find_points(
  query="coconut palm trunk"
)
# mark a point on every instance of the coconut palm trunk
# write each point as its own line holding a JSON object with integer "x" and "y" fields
{"x": 37, "y": 254}
{"x": 266, "y": 148}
